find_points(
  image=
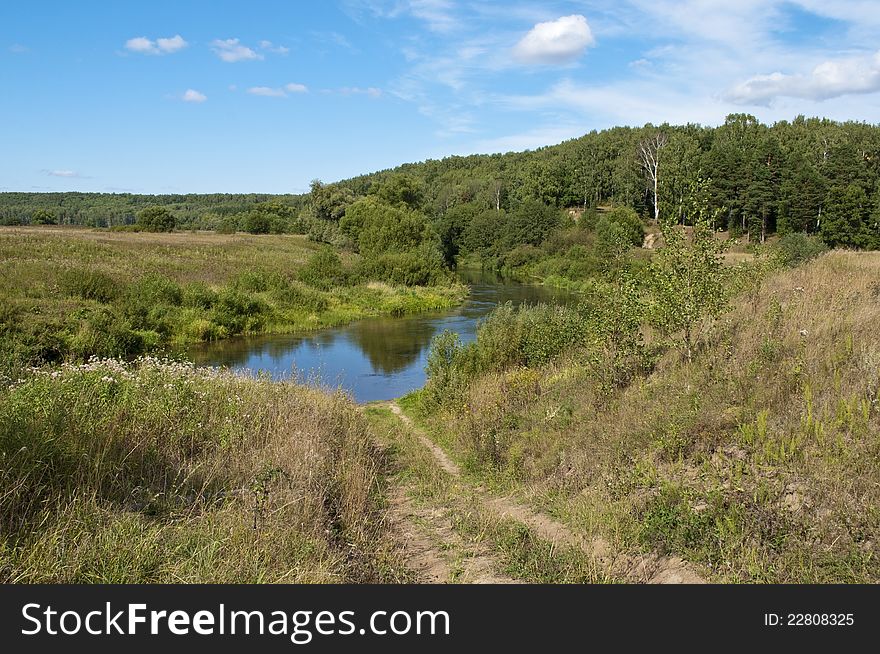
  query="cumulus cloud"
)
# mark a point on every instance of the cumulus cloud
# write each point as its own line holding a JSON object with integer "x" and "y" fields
{"x": 829, "y": 79}
{"x": 191, "y": 95}
{"x": 557, "y": 41}
{"x": 270, "y": 92}
{"x": 162, "y": 45}
{"x": 232, "y": 50}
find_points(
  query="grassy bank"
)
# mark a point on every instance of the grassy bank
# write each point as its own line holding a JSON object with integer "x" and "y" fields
{"x": 159, "y": 472}
{"x": 758, "y": 460}
{"x": 77, "y": 293}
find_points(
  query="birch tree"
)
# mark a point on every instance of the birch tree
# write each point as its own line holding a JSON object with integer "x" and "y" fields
{"x": 649, "y": 157}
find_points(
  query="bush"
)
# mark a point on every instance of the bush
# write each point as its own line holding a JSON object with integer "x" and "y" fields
{"x": 198, "y": 296}
{"x": 156, "y": 219}
{"x": 323, "y": 270}
{"x": 257, "y": 222}
{"x": 238, "y": 312}
{"x": 526, "y": 336}
{"x": 420, "y": 267}
{"x": 630, "y": 223}
{"x": 796, "y": 248}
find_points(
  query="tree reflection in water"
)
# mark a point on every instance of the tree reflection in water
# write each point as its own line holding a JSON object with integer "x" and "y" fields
{"x": 373, "y": 359}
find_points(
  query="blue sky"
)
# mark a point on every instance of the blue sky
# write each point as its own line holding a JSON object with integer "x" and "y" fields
{"x": 174, "y": 97}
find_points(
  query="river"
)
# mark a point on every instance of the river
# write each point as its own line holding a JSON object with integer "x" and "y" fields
{"x": 376, "y": 358}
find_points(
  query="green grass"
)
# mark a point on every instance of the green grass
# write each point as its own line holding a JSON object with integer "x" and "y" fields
{"x": 759, "y": 461}
{"x": 158, "y": 472}
{"x": 77, "y": 293}
{"x": 521, "y": 553}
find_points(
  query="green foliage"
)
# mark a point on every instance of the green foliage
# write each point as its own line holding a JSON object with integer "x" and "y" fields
{"x": 629, "y": 222}
{"x": 509, "y": 337}
{"x": 256, "y": 222}
{"x": 42, "y": 216}
{"x": 423, "y": 266}
{"x": 324, "y": 270}
{"x": 530, "y": 223}
{"x": 330, "y": 201}
{"x": 238, "y": 312}
{"x": 797, "y": 248}
{"x": 399, "y": 190}
{"x": 156, "y": 219}
{"x": 847, "y": 221}
{"x": 687, "y": 282}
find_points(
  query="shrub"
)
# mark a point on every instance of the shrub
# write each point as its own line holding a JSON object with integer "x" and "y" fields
{"x": 257, "y": 222}
{"x": 199, "y": 296}
{"x": 630, "y": 223}
{"x": 323, "y": 270}
{"x": 238, "y": 312}
{"x": 796, "y": 248}
{"x": 156, "y": 219}
{"x": 421, "y": 267}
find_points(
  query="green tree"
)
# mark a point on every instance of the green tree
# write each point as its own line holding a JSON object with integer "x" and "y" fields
{"x": 43, "y": 217}
{"x": 687, "y": 281}
{"x": 257, "y": 222}
{"x": 399, "y": 190}
{"x": 531, "y": 223}
{"x": 156, "y": 219}
{"x": 846, "y": 216}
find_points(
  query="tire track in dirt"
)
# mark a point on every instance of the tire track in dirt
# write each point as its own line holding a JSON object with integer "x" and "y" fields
{"x": 651, "y": 569}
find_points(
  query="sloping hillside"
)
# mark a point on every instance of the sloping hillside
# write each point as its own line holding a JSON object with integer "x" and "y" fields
{"x": 758, "y": 461}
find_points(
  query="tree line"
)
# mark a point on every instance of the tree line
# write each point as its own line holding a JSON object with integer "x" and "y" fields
{"x": 810, "y": 175}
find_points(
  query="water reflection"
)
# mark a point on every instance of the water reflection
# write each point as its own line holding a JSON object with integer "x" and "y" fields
{"x": 373, "y": 359}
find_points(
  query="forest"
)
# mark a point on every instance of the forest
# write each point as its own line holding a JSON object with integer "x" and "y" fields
{"x": 810, "y": 175}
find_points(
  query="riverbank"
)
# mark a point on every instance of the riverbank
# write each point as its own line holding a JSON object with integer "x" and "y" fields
{"x": 75, "y": 293}
{"x": 756, "y": 460}
{"x": 159, "y": 472}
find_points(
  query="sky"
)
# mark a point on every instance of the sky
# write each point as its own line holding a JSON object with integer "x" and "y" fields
{"x": 262, "y": 96}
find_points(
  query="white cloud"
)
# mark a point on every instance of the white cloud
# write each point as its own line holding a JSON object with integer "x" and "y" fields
{"x": 267, "y": 92}
{"x": 555, "y": 42}
{"x": 162, "y": 45}
{"x": 63, "y": 173}
{"x": 829, "y": 79}
{"x": 231, "y": 50}
{"x": 191, "y": 95}
{"x": 371, "y": 91}
{"x": 271, "y": 47}
{"x": 270, "y": 92}
{"x": 438, "y": 14}
{"x": 18, "y": 48}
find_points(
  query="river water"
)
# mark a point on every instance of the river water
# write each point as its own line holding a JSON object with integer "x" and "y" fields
{"x": 376, "y": 358}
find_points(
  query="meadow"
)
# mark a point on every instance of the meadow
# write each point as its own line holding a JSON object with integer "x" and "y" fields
{"x": 69, "y": 294}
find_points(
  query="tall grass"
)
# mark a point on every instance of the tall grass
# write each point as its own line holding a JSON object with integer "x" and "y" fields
{"x": 759, "y": 460}
{"x": 156, "y": 471}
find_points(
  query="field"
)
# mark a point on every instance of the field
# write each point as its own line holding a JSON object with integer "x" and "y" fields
{"x": 544, "y": 452}
{"x": 73, "y": 293}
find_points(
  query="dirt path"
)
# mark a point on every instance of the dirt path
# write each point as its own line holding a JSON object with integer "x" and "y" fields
{"x": 642, "y": 569}
{"x": 433, "y": 550}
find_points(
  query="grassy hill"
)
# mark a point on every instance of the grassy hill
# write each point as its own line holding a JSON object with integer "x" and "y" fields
{"x": 759, "y": 460}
